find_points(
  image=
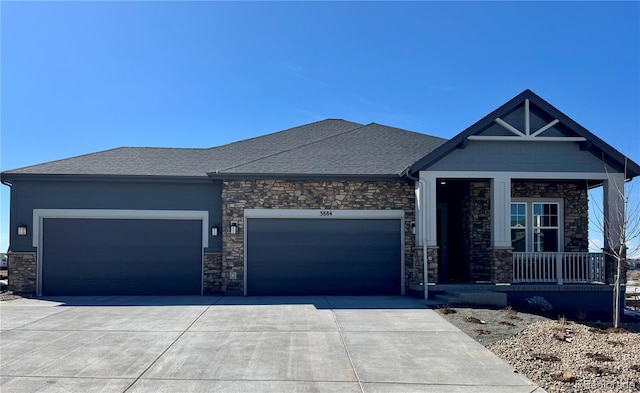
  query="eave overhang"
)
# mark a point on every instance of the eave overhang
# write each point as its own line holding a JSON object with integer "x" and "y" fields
{"x": 7, "y": 178}
{"x": 300, "y": 176}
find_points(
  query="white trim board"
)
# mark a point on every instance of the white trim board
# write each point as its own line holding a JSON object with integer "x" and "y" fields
{"x": 515, "y": 175}
{"x": 323, "y": 213}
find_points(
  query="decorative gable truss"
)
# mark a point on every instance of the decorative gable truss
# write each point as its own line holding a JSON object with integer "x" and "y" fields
{"x": 501, "y": 165}
{"x": 526, "y": 123}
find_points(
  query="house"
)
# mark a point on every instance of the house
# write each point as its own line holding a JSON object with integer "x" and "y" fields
{"x": 332, "y": 207}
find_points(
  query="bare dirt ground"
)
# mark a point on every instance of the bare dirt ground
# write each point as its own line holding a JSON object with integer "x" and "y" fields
{"x": 559, "y": 355}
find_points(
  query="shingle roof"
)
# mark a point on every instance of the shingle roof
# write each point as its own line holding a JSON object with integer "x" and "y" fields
{"x": 372, "y": 149}
{"x": 328, "y": 147}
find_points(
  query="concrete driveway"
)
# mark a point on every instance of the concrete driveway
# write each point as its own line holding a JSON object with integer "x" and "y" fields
{"x": 241, "y": 344}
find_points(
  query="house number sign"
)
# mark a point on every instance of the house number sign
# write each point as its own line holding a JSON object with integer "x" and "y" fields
{"x": 326, "y": 213}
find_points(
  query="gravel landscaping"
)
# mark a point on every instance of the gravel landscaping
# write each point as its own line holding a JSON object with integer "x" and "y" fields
{"x": 559, "y": 355}
{"x": 8, "y": 295}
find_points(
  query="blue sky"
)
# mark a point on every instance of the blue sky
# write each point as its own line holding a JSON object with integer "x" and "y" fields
{"x": 79, "y": 77}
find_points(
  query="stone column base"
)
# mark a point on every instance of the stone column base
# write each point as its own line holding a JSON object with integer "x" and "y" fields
{"x": 416, "y": 273}
{"x": 432, "y": 264}
{"x": 611, "y": 269}
{"x": 212, "y": 275}
{"x": 23, "y": 272}
{"x": 502, "y": 265}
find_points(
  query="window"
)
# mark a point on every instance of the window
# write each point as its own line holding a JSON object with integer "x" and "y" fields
{"x": 535, "y": 226}
{"x": 545, "y": 227}
{"x": 519, "y": 226}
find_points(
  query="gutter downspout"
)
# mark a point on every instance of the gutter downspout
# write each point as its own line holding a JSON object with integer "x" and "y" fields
{"x": 422, "y": 185}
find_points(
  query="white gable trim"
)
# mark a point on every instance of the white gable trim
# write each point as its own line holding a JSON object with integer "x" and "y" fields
{"x": 517, "y": 175}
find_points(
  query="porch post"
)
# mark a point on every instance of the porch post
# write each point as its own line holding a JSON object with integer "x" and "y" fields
{"x": 430, "y": 235}
{"x": 614, "y": 221}
{"x": 502, "y": 268}
{"x": 431, "y": 230}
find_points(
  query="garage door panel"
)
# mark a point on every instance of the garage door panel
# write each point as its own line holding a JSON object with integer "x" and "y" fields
{"x": 323, "y": 256}
{"x": 121, "y": 257}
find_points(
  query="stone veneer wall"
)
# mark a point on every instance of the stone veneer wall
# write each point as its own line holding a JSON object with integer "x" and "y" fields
{"x": 432, "y": 264}
{"x": 502, "y": 266}
{"x": 576, "y": 208}
{"x": 415, "y": 274}
{"x": 478, "y": 231}
{"x": 22, "y": 272}
{"x": 212, "y": 275}
{"x": 238, "y": 195}
{"x": 611, "y": 270}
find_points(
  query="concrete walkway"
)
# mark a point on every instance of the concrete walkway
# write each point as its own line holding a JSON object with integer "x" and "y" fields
{"x": 241, "y": 344}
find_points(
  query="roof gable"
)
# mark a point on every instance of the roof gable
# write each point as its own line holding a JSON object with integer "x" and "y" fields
{"x": 529, "y": 118}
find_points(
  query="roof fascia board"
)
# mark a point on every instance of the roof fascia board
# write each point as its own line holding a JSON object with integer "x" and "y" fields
{"x": 517, "y": 175}
{"x": 298, "y": 176}
{"x": 599, "y": 146}
{"x": 8, "y": 177}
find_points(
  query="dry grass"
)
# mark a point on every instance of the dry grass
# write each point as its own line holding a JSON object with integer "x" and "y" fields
{"x": 598, "y": 357}
{"x": 563, "y": 377}
{"x": 511, "y": 314}
{"x": 597, "y": 370}
{"x": 446, "y": 310}
{"x": 545, "y": 357}
{"x": 633, "y": 275}
{"x": 473, "y": 320}
{"x": 8, "y": 295}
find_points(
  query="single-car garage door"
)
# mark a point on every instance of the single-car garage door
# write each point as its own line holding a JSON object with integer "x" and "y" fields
{"x": 121, "y": 256}
{"x": 301, "y": 256}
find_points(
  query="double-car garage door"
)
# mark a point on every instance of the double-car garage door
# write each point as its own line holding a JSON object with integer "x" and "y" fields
{"x": 323, "y": 256}
{"x": 89, "y": 256}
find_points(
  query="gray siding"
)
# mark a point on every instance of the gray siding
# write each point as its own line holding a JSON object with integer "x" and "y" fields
{"x": 520, "y": 157}
{"x": 29, "y": 195}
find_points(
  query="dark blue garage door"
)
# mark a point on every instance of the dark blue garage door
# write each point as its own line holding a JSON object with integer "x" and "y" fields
{"x": 121, "y": 257}
{"x": 323, "y": 256}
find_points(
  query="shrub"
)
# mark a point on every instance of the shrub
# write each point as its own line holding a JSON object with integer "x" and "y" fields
{"x": 539, "y": 303}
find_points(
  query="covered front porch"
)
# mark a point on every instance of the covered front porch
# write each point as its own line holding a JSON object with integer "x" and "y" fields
{"x": 505, "y": 204}
{"x": 499, "y": 229}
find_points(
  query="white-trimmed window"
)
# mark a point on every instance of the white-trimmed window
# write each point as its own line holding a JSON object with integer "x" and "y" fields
{"x": 536, "y": 225}
{"x": 519, "y": 226}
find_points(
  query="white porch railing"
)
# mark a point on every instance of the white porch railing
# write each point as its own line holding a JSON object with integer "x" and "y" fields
{"x": 558, "y": 267}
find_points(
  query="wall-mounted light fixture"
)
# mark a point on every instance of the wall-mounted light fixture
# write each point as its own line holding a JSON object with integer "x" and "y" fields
{"x": 413, "y": 228}
{"x": 234, "y": 227}
{"x": 22, "y": 230}
{"x": 214, "y": 231}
